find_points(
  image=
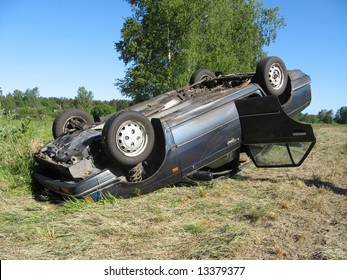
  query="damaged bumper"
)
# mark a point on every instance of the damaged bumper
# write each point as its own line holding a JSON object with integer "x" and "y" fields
{"x": 92, "y": 186}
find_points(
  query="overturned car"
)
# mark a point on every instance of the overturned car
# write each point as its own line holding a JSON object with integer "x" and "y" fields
{"x": 215, "y": 126}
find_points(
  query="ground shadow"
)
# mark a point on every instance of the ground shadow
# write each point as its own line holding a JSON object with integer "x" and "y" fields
{"x": 41, "y": 194}
{"x": 309, "y": 183}
{"x": 326, "y": 185}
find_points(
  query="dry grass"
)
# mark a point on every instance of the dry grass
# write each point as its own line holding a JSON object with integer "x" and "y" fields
{"x": 298, "y": 213}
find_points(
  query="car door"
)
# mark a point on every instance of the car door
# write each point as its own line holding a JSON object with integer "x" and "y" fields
{"x": 208, "y": 133}
{"x": 270, "y": 137}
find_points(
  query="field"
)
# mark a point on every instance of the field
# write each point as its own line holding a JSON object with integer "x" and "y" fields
{"x": 291, "y": 213}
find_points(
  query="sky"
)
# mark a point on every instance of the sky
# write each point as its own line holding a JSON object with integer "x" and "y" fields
{"x": 60, "y": 45}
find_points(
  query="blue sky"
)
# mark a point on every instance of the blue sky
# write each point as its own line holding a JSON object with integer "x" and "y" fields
{"x": 60, "y": 45}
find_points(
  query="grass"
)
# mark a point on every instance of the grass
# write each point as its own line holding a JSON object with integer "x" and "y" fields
{"x": 292, "y": 213}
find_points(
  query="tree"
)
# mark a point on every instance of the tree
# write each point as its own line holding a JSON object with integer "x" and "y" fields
{"x": 341, "y": 115}
{"x": 307, "y": 118}
{"x": 165, "y": 41}
{"x": 50, "y": 104}
{"x": 18, "y": 98}
{"x": 31, "y": 97}
{"x": 2, "y": 100}
{"x": 63, "y": 102}
{"x": 325, "y": 116}
{"x": 9, "y": 103}
{"x": 84, "y": 99}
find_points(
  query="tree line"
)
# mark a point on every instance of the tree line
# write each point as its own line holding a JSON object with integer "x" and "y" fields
{"x": 29, "y": 103}
{"x": 325, "y": 116}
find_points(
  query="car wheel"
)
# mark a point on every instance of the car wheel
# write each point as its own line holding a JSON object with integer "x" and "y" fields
{"x": 128, "y": 138}
{"x": 271, "y": 75}
{"x": 200, "y": 75}
{"x": 69, "y": 121}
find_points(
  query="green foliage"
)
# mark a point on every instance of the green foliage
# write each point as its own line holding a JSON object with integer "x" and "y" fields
{"x": 10, "y": 132}
{"x": 121, "y": 104}
{"x": 19, "y": 105}
{"x": 8, "y": 103}
{"x": 325, "y": 116}
{"x": 18, "y": 98}
{"x": 164, "y": 42}
{"x": 102, "y": 110}
{"x": 307, "y": 118}
{"x": 2, "y": 99}
{"x": 61, "y": 103}
{"x": 84, "y": 99}
{"x": 341, "y": 115}
{"x": 31, "y": 97}
{"x": 19, "y": 139}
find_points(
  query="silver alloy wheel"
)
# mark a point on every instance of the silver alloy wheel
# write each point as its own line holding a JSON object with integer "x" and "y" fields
{"x": 276, "y": 76}
{"x": 131, "y": 138}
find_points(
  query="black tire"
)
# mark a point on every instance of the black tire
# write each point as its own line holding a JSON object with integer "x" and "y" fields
{"x": 200, "y": 75}
{"x": 69, "y": 121}
{"x": 271, "y": 74}
{"x": 128, "y": 138}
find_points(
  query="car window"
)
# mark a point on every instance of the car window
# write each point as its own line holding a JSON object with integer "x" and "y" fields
{"x": 279, "y": 154}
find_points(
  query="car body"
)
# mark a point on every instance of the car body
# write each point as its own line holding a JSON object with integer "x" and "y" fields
{"x": 197, "y": 133}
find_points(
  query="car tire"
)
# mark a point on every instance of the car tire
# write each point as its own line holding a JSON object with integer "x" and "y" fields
{"x": 200, "y": 75}
{"x": 128, "y": 138}
{"x": 271, "y": 74}
{"x": 69, "y": 121}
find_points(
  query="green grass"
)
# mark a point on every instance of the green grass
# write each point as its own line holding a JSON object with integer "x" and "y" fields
{"x": 297, "y": 213}
{"x": 19, "y": 140}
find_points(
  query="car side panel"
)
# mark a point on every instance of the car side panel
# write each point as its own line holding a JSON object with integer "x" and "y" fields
{"x": 205, "y": 138}
{"x": 300, "y": 93}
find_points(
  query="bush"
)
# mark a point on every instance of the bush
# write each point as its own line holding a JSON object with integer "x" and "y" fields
{"x": 102, "y": 110}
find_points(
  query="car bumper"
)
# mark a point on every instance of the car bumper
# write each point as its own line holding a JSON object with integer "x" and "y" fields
{"x": 91, "y": 187}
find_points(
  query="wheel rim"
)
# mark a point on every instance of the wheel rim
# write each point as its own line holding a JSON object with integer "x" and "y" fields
{"x": 131, "y": 138}
{"x": 276, "y": 76}
{"x": 73, "y": 124}
{"x": 206, "y": 78}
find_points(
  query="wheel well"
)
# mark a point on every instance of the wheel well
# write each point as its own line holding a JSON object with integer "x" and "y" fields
{"x": 155, "y": 159}
{"x": 287, "y": 94}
